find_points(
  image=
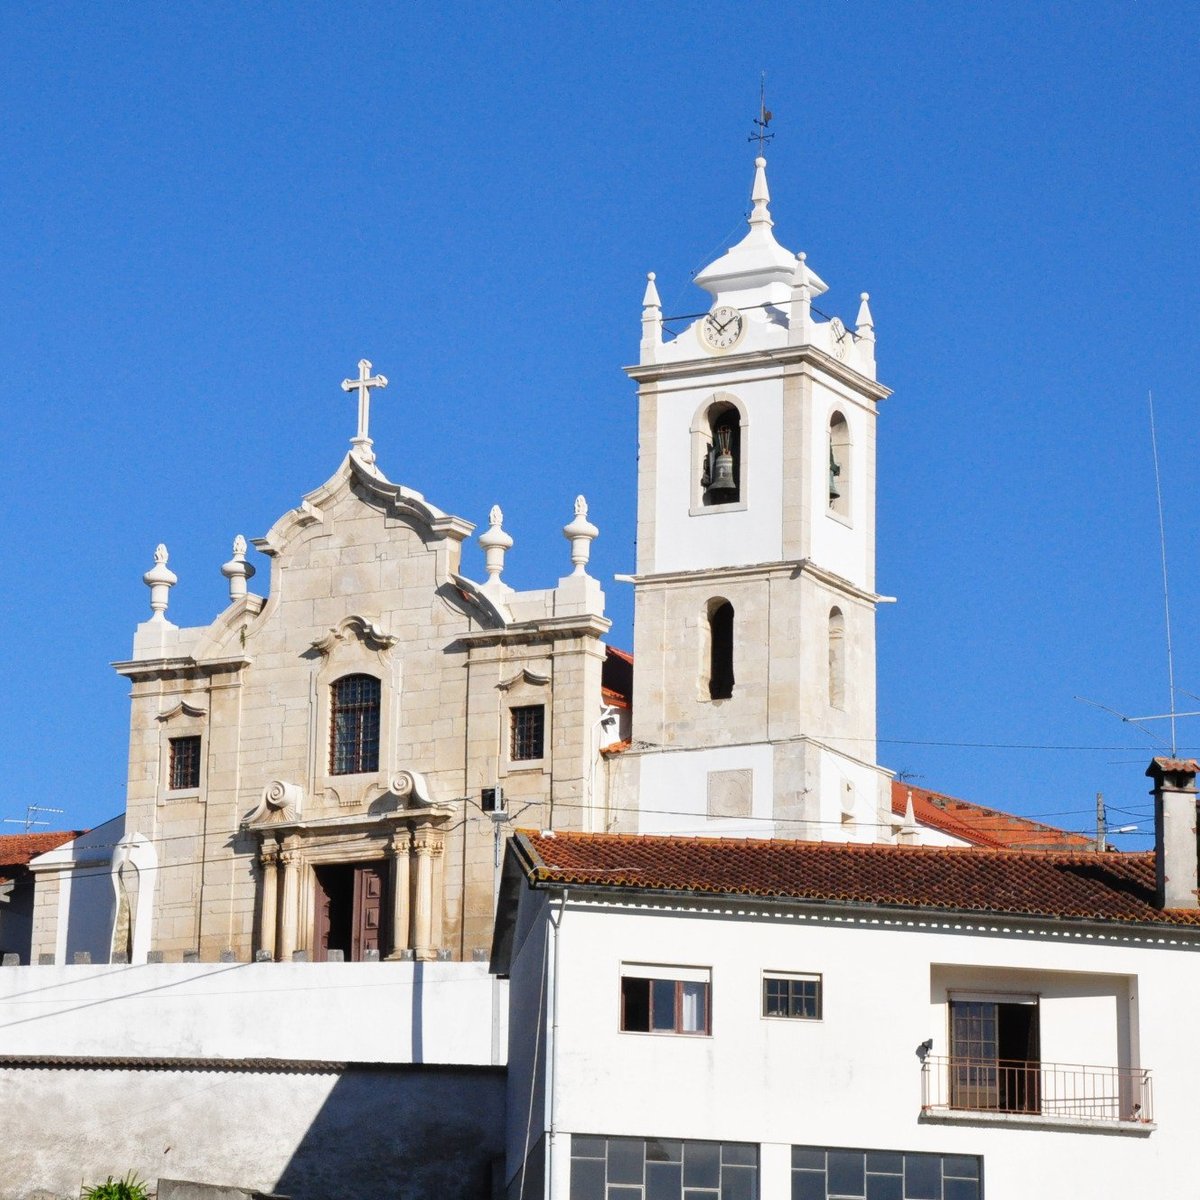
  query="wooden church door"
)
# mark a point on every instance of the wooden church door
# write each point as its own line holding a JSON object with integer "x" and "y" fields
{"x": 348, "y": 910}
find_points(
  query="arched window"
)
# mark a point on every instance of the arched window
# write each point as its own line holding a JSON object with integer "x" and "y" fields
{"x": 720, "y": 649}
{"x": 837, "y": 658}
{"x": 721, "y": 477}
{"x": 839, "y": 465}
{"x": 354, "y": 725}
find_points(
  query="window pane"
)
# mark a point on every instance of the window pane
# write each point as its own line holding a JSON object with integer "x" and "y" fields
{"x": 739, "y": 1153}
{"x": 659, "y": 1150}
{"x": 775, "y": 998}
{"x": 889, "y": 1164}
{"x": 694, "y": 1007}
{"x": 624, "y": 1193}
{"x": 635, "y": 1005}
{"x": 588, "y": 1147}
{"x": 625, "y": 1159}
{"x": 883, "y": 1187}
{"x": 808, "y": 1185}
{"x": 961, "y": 1189}
{"x": 961, "y": 1166}
{"x": 737, "y": 1183}
{"x": 662, "y": 995}
{"x": 923, "y": 1177}
{"x": 806, "y": 1156}
{"x": 846, "y": 1172}
{"x": 587, "y": 1179}
{"x": 702, "y": 1164}
{"x": 664, "y": 1181}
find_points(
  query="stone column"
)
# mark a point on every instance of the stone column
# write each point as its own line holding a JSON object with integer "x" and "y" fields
{"x": 438, "y": 890}
{"x": 423, "y": 914}
{"x": 401, "y": 847}
{"x": 291, "y": 903}
{"x": 269, "y": 911}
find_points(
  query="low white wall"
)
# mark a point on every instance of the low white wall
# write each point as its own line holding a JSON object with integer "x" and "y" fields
{"x": 385, "y": 1012}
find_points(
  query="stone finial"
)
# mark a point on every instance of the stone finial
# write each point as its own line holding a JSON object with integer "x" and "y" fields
{"x": 160, "y": 579}
{"x": 864, "y": 325}
{"x": 759, "y": 195}
{"x": 237, "y": 570}
{"x": 909, "y": 834}
{"x": 496, "y": 543}
{"x": 800, "y": 316}
{"x": 580, "y": 533}
{"x": 651, "y": 321}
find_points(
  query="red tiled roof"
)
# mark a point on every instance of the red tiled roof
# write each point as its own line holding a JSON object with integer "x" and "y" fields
{"x": 1072, "y": 884}
{"x": 16, "y": 849}
{"x": 982, "y": 826}
{"x": 623, "y": 655}
{"x": 613, "y": 698}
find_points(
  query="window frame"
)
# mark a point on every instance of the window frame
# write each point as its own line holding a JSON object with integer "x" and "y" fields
{"x": 191, "y": 785}
{"x": 526, "y": 760}
{"x": 361, "y": 765}
{"x": 678, "y": 978}
{"x": 817, "y": 977}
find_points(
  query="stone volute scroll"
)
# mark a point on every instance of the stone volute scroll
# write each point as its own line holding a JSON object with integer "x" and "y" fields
{"x": 410, "y": 788}
{"x": 280, "y": 802}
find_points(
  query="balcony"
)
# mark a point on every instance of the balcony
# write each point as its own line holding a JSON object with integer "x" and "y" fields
{"x": 1038, "y": 1093}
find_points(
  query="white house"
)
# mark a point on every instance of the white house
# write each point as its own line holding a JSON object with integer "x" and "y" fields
{"x": 711, "y": 1018}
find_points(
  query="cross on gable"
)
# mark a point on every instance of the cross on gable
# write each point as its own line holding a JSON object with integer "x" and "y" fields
{"x": 363, "y": 384}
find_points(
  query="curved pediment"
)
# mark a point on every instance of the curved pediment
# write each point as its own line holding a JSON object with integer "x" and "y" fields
{"x": 366, "y": 630}
{"x": 393, "y": 499}
{"x": 183, "y": 709}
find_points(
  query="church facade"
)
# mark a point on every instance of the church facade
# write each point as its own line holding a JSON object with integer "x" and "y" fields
{"x": 328, "y": 769}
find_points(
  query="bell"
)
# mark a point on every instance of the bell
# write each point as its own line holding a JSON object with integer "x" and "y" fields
{"x": 722, "y": 473}
{"x": 835, "y": 470}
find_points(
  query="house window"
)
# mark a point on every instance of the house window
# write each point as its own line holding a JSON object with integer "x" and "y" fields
{"x": 721, "y": 473}
{"x": 720, "y": 649}
{"x": 795, "y": 996}
{"x": 825, "y": 1173}
{"x": 995, "y": 1057}
{"x": 627, "y": 1168}
{"x": 354, "y": 728}
{"x": 185, "y": 763}
{"x": 665, "y": 999}
{"x": 839, "y": 465}
{"x": 527, "y": 732}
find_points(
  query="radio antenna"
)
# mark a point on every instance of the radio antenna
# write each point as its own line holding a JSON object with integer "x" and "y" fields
{"x": 1162, "y": 544}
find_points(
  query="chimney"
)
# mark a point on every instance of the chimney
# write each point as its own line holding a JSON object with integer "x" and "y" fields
{"x": 1175, "y": 831}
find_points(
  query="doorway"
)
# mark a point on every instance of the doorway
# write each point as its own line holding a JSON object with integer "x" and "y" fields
{"x": 349, "y": 910}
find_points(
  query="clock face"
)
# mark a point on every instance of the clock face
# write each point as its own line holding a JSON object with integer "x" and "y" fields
{"x": 722, "y": 328}
{"x": 840, "y": 341}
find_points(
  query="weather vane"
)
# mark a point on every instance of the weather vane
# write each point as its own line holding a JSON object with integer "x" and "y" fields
{"x": 760, "y": 135}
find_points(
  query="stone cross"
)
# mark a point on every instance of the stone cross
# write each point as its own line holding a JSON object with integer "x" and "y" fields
{"x": 365, "y": 381}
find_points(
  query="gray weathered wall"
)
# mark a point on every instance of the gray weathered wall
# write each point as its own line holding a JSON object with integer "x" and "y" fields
{"x": 361, "y": 1131}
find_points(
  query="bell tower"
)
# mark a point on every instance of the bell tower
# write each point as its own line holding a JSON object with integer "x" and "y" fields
{"x": 754, "y": 643}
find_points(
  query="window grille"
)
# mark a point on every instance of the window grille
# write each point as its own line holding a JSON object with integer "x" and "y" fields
{"x": 528, "y": 732}
{"x": 185, "y": 763}
{"x": 354, "y": 728}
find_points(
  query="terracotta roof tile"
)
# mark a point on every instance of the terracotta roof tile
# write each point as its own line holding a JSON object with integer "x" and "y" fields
{"x": 16, "y": 849}
{"x": 1072, "y": 884}
{"x": 982, "y": 826}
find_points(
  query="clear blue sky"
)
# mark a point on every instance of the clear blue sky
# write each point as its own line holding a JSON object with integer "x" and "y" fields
{"x": 211, "y": 212}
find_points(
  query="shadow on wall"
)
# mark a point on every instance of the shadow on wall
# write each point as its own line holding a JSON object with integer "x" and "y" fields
{"x": 419, "y": 1133}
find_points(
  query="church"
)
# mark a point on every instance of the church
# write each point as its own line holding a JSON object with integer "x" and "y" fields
{"x": 330, "y": 767}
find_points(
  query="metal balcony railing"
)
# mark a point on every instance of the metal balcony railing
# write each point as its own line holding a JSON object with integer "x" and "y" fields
{"x": 1061, "y": 1090}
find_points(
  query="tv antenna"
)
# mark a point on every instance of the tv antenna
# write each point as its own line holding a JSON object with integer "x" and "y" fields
{"x": 1172, "y": 714}
{"x": 760, "y": 134}
{"x": 30, "y": 820}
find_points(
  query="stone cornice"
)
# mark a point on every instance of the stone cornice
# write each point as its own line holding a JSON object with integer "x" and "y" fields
{"x": 738, "y": 363}
{"x": 359, "y": 823}
{"x": 181, "y": 665}
{"x": 544, "y": 629}
{"x": 789, "y": 567}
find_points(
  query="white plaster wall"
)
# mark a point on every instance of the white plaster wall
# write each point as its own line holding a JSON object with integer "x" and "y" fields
{"x": 843, "y": 545}
{"x": 849, "y": 794}
{"x": 754, "y": 534}
{"x": 674, "y": 791}
{"x": 394, "y": 1012}
{"x": 853, "y": 1079}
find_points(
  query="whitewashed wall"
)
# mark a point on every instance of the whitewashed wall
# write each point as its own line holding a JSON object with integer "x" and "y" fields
{"x": 392, "y": 1012}
{"x": 853, "y": 1079}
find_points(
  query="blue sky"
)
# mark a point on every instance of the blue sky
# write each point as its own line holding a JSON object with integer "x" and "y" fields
{"x": 210, "y": 213}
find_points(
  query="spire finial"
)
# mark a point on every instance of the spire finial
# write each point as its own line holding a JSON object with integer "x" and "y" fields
{"x": 495, "y": 543}
{"x": 160, "y": 579}
{"x": 237, "y": 570}
{"x": 361, "y": 442}
{"x": 580, "y": 533}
